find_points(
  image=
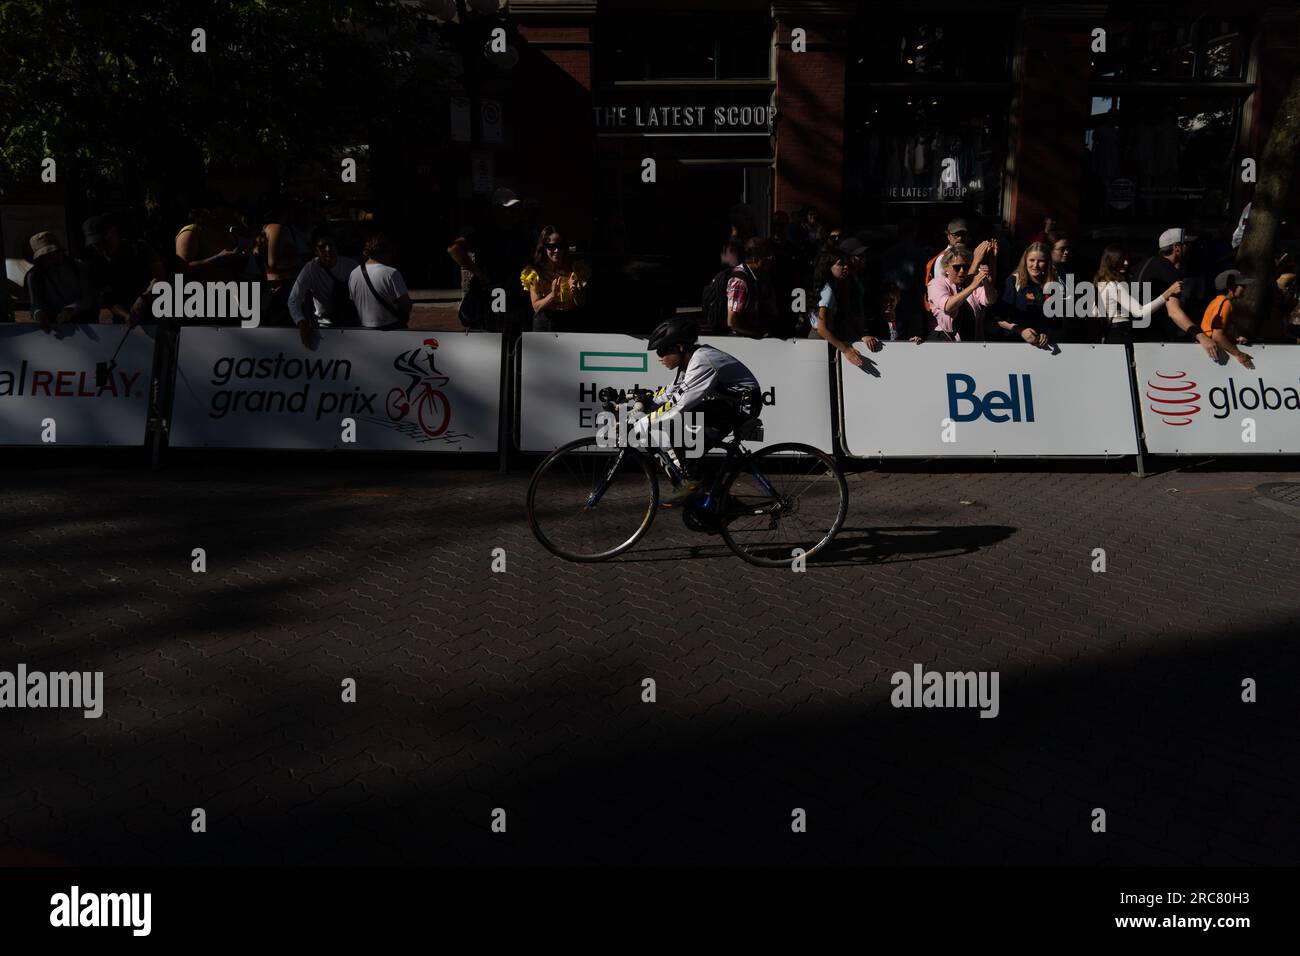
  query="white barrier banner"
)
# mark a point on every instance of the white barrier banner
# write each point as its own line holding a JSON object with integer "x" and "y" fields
{"x": 50, "y": 394}
{"x": 1192, "y": 406}
{"x": 353, "y": 389}
{"x": 562, "y": 374}
{"x": 941, "y": 399}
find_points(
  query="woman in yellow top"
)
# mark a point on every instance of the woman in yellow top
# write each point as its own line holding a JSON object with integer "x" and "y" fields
{"x": 556, "y": 283}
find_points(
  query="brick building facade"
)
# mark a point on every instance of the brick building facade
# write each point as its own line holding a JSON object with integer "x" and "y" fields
{"x": 882, "y": 117}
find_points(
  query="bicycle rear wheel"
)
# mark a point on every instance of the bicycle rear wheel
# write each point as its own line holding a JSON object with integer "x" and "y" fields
{"x": 780, "y": 503}
{"x": 587, "y": 503}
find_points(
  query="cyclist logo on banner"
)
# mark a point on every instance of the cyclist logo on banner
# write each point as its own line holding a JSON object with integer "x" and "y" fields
{"x": 419, "y": 408}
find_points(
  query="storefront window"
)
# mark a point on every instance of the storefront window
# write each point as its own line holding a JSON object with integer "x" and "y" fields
{"x": 1204, "y": 48}
{"x": 1154, "y": 151}
{"x": 1153, "y": 156}
{"x": 927, "y": 104}
{"x": 927, "y": 147}
{"x": 687, "y": 48}
{"x": 909, "y": 48}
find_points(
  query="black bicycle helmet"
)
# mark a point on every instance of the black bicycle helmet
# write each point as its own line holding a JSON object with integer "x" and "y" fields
{"x": 673, "y": 332}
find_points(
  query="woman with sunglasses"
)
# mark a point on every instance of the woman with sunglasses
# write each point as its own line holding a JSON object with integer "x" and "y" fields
{"x": 964, "y": 291}
{"x": 556, "y": 283}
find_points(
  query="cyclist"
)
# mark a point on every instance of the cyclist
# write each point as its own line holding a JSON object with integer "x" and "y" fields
{"x": 711, "y": 383}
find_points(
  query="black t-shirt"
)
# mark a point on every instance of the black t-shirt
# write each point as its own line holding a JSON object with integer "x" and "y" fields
{"x": 1159, "y": 274}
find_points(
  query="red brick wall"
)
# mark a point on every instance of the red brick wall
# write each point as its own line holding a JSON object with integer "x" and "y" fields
{"x": 555, "y": 140}
{"x": 810, "y": 123}
{"x": 577, "y": 63}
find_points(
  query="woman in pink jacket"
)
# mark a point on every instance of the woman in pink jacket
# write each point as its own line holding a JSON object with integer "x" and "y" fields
{"x": 962, "y": 293}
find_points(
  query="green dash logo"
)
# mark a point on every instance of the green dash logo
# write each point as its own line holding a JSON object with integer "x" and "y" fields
{"x": 613, "y": 361}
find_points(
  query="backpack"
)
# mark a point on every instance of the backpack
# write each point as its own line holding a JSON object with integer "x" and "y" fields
{"x": 713, "y": 318}
{"x": 925, "y": 281}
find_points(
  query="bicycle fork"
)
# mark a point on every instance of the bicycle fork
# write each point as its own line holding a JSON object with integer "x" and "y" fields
{"x": 603, "y": 484}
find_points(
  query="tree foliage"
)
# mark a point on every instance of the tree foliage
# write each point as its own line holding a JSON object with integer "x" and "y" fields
{"x": 114, "y": 89}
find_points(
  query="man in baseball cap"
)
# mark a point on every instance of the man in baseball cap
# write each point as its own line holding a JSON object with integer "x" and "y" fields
{"x": 958, "y": 234}
{"x": 1229, "y": 278}
{"x": 853, "y": 247}
{"x": 1160, "y": 272}
{"x": 504, "y": 197}
{"x": 95, "y": 230}
{"x": 1173, "y": 237}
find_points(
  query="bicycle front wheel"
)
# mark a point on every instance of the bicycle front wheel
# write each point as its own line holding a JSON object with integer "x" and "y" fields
{"x": 781, "y": 506}
{"x": 587, "y": 503}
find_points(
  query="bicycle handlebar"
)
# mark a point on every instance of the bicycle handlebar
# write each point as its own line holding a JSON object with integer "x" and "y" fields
{"x": 612, "y": 399}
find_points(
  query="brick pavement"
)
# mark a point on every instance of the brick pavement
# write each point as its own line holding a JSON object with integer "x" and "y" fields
{"x": 522, "y": 690}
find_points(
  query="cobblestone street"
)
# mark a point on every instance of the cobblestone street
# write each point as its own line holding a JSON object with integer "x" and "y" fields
{"x": 522, "y": 690}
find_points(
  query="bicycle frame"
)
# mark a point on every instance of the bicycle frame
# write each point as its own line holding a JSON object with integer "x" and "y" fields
{"x": 736, "y": 455}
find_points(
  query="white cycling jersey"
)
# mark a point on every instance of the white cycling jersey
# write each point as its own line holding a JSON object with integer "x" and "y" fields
{"x": 711, "y": 373}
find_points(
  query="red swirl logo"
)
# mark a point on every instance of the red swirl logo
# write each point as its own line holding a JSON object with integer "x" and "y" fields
{"x": 1173, "y": 397}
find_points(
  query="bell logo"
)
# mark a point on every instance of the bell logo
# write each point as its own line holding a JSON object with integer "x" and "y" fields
{"x": 1016, "y": 404}
{"x": 1173, "y": 397}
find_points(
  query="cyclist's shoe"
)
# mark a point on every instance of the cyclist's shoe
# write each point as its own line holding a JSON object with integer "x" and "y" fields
{"x": 684, "y": 492}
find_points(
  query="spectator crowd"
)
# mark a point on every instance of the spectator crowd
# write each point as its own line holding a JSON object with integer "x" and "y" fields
{"x": 971, "y": 290}
{"x": 804, "y": 278}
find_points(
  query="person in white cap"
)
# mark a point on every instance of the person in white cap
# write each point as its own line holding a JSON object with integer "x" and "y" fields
{"x": 58, "y": 287}
{"x": 1160, "y": 272}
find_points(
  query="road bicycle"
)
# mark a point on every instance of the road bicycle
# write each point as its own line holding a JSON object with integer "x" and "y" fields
{"x": 590, "y": 502}
{"x": 432, "y": 410}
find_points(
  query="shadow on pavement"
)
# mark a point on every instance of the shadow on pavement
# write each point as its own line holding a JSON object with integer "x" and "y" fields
{"x": 1186, "y": 772}
{"x": 909, "y": 543}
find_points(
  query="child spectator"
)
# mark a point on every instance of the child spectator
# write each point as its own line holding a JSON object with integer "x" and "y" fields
{"x": 1217, "y": 320}
{"x": 884, "y": 323}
